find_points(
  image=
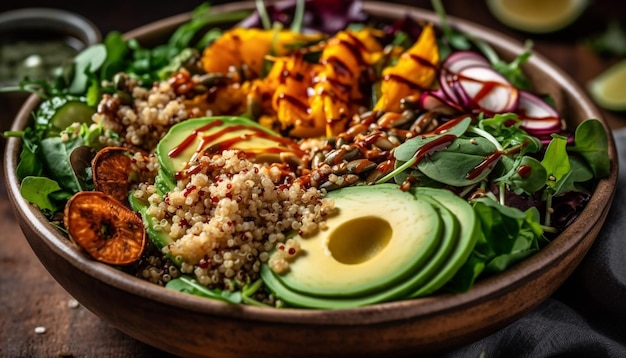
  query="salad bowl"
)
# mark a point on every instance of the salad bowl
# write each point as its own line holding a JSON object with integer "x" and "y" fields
{"x": 188, "y": 325}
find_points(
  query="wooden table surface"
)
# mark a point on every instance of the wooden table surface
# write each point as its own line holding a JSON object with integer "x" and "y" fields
{"x": 29, "y": 296}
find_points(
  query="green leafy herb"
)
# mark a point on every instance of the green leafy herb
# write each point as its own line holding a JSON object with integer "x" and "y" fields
{"x": 454, "y": 40}
{"x": 86, "y": 63}
{"x": 591, "y": 142}
{"x": 38, "y": 190}
{"x": 56, "y": 156}
{"x": 189, "y": 285}
{"x": 509, "y": 235}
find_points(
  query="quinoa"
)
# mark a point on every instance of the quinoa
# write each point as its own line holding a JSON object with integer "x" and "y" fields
{"x": 144, "y": 120}
{"x": 228, "y": 216}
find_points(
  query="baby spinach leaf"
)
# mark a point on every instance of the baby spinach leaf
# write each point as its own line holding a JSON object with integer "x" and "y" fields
{"x": 56, "y": 156}
{"x": 590, "y": 140}
{"x": 407, "y": 150}
{"x": 453, "y": 164}
{"x": 86, "y": 63}
{"x": 579, "y": 173}
{"x": 37, "y": 190}
{"x": 556, "y": 160}
{"x": 117, "y": 50}
{"x": 500, "y": 224}
{"x": 189, "y": 285}
{"x": 510, "y": 234}
{"x": 502, "y": 262}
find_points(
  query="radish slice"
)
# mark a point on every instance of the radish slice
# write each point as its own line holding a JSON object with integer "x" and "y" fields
{"x": 484, "y": 89}
{"x": 538, "y": 117}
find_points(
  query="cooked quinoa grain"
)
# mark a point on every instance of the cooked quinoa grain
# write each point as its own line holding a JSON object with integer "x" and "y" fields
{"x": 227, "y": 217}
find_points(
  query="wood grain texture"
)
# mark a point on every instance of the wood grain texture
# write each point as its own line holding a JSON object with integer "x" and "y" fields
{"x": 31, "y": 298}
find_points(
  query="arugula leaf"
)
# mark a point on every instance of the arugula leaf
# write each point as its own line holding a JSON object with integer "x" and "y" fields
{"x": 524, "y": 175}
{"x": 29, "y": 163}
{"x": 511, "y": 71}
{"x": 506, "y": 129}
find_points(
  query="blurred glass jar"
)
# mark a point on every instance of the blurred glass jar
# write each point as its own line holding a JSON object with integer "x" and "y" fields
{"x": 36, "y": 41}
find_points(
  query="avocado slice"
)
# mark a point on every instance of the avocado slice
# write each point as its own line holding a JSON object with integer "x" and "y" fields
{"x": 468, "y": 236}
{"x": 159, "y": 238}
{"x": 187, "y": 139}
{"x": 380, "y": 236}
{"x": 398, "y": 291}
{"x": 163, "y": 183}
{"x": 457, "y": 240}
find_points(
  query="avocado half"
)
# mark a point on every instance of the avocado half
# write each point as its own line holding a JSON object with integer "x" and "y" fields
{"x": 384, "y": 244}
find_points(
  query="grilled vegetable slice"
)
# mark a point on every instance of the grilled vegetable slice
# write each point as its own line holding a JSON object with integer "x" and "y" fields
{"x": 111, "y": 168}
{"x": 105, "y": 228}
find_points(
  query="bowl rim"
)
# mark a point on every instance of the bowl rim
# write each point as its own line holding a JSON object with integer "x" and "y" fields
{"x": 529, "y": 268}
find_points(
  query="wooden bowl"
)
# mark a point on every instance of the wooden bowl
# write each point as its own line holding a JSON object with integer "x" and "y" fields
{"x": 187, "y": 325}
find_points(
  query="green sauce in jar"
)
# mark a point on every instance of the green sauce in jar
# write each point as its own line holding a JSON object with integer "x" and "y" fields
{"x": 34, "y": 56}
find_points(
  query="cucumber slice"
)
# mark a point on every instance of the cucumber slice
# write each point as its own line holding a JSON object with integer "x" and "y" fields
{"x": 67, "y": 114}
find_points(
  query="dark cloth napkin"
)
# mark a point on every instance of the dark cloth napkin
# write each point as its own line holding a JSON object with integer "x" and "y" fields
{"x": 586, "y": 317}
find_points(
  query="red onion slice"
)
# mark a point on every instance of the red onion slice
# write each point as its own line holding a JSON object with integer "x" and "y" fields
{"x": 538, "y": 117}
{"x": 486, "y": 90}
{"x": 453, "y": 64}
{"x": 438, "y": 101}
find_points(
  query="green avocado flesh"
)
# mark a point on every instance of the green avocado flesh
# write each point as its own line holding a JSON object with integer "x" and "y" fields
{"x": 379, "y": 237}
{"x": 159, "y": 238}
{"x": 188, "y": 139}
{"x": 420, "y": 272}
{"x": 468, "y": 235}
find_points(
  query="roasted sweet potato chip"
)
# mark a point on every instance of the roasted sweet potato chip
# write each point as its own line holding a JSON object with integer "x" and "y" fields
{"x": 109, "y": 231}
{"x": 111, "y": 168}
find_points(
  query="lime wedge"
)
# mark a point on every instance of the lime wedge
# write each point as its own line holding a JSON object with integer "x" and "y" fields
{"x": 537, "y": 16}
{"x": 607, "y": 89}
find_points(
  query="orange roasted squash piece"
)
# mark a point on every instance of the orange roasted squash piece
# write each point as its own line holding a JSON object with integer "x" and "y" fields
{"x": 413, "y": 73}
{"x": 317, "y": 99}
{"x": 248, "y": 47}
